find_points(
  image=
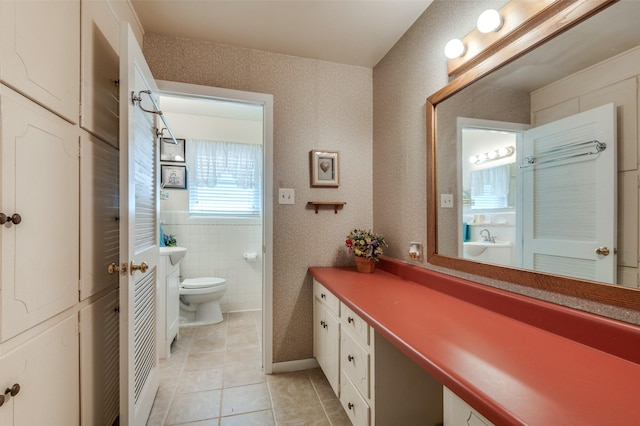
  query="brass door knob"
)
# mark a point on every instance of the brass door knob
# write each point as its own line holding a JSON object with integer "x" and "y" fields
{"x": 602, "y": 251}
{"x": 143, "y": 267}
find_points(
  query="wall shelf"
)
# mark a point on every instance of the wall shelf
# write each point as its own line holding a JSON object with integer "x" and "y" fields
{"x": 335, "y": 204}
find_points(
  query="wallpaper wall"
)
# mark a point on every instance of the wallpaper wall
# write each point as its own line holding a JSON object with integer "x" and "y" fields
{"x": 317, "y": 105}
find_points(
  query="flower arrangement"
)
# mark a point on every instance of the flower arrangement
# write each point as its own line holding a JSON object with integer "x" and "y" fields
{"x": 170, "y": 240}
{"x": 365, "y": 244}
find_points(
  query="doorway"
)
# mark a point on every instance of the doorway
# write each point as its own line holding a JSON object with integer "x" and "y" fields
{"x": 233, "y": 117}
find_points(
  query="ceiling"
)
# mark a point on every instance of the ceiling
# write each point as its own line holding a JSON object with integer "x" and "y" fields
{"x": 354, "y": 32}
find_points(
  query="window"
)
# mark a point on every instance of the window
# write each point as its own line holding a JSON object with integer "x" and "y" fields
{"x": 225, "y": 179}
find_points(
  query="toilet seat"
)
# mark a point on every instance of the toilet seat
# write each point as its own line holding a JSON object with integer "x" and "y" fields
{"x": 203, "y": 282}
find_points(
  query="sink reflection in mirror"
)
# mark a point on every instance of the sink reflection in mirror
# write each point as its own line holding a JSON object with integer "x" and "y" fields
{"x": 175, "y": 253}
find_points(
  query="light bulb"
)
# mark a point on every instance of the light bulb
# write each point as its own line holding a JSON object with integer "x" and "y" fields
{"x": 489, "y": 20}
{"x": 473, "y": 159}
{"x": 454, "y": 48}
{"x": 482, "y": 157}
{"x": 492, "y": 154}
{"x": 503, "y": 152}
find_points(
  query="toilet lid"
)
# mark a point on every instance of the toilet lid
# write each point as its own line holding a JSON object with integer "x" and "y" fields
{"x": 203, "y": 282}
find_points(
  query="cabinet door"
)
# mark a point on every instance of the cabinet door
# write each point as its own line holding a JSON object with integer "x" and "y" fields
{"x": 99, "y": 215}
{"x": 99, "y": 368}
{"x": 100, "y": 70}
{"x": 40, "y": 174}
{"x": 326, "y": 343}
{"x": 40, "y": 52}
{"x": 46, "y": 368}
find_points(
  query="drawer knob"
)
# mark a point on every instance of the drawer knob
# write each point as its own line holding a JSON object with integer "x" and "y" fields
{"x": 350, "y": 320}
{"x": 350, "y": 358}
{"x": 323, "y": 296}
{"x": 13, "y": 390}
{"x": 350, "y": 405}
{"x": 15, "y": 218}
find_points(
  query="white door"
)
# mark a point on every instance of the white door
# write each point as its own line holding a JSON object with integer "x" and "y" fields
{"x": 569, "y": 196}
{"x": 139, "y": 207}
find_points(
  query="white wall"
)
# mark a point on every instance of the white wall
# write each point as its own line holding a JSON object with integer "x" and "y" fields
{"x": 216, "y": 246}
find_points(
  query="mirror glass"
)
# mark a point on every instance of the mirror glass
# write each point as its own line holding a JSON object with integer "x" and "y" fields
{"x": 490, "y": 134}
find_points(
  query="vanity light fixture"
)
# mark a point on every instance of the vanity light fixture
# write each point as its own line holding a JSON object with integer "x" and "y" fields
{"x": 489, "y": 21}
{"x": 454, "y": 48}
{"x": 497, "y": 154}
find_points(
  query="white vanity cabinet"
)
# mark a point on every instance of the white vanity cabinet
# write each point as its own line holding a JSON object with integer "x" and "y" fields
{"x": 375, "y": 382}
{"x": 40, "y": 52}
{"x": 326, "y": 333}
{"x": 168, "y": 291}
{"x": 45, "y": 369}
{"x": 459, "y": 413}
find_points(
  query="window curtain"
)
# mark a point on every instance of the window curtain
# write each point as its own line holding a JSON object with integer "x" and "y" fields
{"x": 208, "y": 160}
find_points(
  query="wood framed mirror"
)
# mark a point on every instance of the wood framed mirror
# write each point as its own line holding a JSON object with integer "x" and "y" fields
{"x": 497, "y": 52}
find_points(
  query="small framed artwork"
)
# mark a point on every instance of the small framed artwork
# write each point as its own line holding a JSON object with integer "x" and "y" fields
{"x": 169, "y": 151}
{"x": 325, "y": 170}
{"x": 173, "y": 176}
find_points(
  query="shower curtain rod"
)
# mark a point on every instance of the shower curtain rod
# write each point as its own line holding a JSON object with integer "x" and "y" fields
{"x": 137, "y": 100}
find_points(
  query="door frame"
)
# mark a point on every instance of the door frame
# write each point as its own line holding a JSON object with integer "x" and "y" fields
{"x": 187, "y": 90}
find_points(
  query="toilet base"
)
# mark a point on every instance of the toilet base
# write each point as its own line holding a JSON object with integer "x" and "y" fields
{"x": 206, "y": 314}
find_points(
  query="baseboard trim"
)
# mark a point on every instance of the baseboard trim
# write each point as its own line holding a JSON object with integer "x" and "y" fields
{"x": 297, "y": 365}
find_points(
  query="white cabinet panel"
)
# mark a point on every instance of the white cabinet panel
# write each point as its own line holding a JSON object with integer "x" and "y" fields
{"x": 40, "y": 174}
{"x": 40, "y": 52}
{"x": 99, "y": 211}
{"x": 459, "y": 413}
{"x": 355, "y": 362}
{"x": 100, "y": 70}
{"x": 46, "y": 368}
{"x": 354, "y": 404}
{"x": 326, "y": 336}
{"x": 99, "y": 361}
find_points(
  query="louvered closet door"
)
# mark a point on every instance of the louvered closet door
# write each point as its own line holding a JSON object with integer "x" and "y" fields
{"x": 569, "y": 200}
{"x": 138, "y": 238}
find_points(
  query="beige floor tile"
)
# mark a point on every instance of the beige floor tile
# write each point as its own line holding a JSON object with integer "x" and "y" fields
{"x": 238, "y": 318}
{"x": 242, "y": 340}
{"x": 308, "y": 415}
{"x": 321, "y": 384}
{"x": 291, "y": 389}
{"x": 334, "y": 410}
{"x": 204, "y": 361}
{"x": 208, "y": 344}
{"x": 245, "y": 399}
{"x": 243, "y": 355}
{"x": 196, "y": 406}
{"x": 243, "y": 374}
{"x": 211, "y": 422}
{"x": 200, "y": 380}
{"x": 258, "y": 418}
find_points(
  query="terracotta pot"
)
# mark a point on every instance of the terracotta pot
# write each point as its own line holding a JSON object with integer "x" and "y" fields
{"x": 365, "y": 264}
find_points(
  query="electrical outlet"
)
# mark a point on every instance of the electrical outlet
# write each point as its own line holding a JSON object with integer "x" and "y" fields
{"x": 286, "y": 196}
{"x": 446, "y": 201}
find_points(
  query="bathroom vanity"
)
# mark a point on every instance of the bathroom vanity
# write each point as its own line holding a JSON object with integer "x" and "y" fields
{"x": 168, "y": 297}
{"x": 504, "y": 358}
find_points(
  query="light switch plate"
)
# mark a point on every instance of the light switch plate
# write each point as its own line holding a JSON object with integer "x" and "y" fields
{"x": 446, "y": 201}
{"x": 286, "y": 196}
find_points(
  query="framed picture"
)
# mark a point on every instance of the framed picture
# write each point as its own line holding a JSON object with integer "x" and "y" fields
{"x": 169, "y": 151}
{"x": 173, "y": 176}
{"x": 325, "y": 169}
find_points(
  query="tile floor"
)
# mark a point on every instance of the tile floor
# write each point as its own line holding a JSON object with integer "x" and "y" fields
{"x": 214, "y": 377}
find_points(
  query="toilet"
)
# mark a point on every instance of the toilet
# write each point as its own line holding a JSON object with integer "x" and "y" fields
{"x": 200, "y": 300}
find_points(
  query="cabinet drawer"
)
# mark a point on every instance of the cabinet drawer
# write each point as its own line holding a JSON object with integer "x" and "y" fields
{"x": 356, "y": 325}
{"x": 355, "y": 362}
{"x": 325, "y": 296}
{"x": 459, "y": 413}
{"x": 356, "y": 407}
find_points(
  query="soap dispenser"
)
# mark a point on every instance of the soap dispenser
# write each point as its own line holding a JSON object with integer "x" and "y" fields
{"x": 162, "y": 244}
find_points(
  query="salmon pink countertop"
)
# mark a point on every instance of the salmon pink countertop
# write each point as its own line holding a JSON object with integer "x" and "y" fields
{"x": 515, "y": 359}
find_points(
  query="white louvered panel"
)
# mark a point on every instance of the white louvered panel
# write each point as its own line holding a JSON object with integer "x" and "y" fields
{"x": 145, "y": 170}
{"x": 99, "y": 212}
{"x": 111, "y": 359}
{"x": 579, "y": 268}
{"x": 99, "y": 365}
{"x": 144, "y": 329}
{"x": 557, "y": 192}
